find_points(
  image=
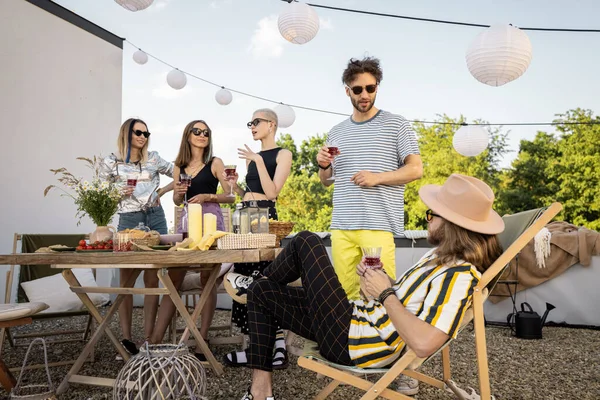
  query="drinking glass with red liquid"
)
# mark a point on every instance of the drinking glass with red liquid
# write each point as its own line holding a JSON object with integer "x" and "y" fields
{"x": 132, "y": 181}
{"x": 334, "y": 150}
{"x": 186, "y": 180}
{"x": 230, "y": 176}
{"x": 372, "y": 257}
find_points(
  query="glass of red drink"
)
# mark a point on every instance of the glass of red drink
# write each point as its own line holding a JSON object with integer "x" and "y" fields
{"x": 334, "y": 150}
{"x": 230, "y": 176}
{"x": 372, "y": 257}
{"x": 132, "y": 180}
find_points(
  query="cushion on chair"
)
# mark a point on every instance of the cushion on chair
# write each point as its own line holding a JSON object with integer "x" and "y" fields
{"x": 191, "y": 281}
{"x": 9, "y": 312}
{"x": 55, "y": 291}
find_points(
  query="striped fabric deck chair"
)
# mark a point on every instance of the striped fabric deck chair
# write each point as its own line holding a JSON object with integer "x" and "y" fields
{"x": 517, "y": 234}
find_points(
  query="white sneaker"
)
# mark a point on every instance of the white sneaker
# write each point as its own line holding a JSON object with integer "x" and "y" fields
{"x": 248, "y": 396}
{"x": 237, "y": 285}
{"x": 407, "y": 386}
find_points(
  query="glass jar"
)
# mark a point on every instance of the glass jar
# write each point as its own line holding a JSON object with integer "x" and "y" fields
{"x": 254, "y": 219}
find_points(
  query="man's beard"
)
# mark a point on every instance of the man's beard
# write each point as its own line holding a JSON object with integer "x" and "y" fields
{"x": 356, "y": 105}
{"x": 435, "y": 237}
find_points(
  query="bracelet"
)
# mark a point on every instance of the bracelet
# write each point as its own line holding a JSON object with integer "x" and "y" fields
{"x": 385, "y": 294}
{"x": 324, "y": 168}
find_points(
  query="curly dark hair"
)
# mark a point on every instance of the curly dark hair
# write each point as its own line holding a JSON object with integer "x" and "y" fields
{"x": 366, "y": 65}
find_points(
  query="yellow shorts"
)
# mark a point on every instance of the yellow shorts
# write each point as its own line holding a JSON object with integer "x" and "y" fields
{"x": 346, "y": 253}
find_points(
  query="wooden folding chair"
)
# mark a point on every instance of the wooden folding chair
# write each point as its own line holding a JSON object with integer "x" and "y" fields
{"x": 5, "y": 332}
{"x": 409, "y": 362}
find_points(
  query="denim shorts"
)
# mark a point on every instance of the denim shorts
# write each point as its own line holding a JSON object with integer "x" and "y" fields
{"x": 154, "y": 218}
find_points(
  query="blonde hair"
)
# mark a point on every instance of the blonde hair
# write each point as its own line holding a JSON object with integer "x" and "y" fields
{"x": 185, "y": 149}
{"x": 124, "y": 141}
{"x": 458, "y": 243}
{"x": 270, "y": 114}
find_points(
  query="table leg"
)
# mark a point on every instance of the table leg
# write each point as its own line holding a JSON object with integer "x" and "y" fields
{"x": 212, "y": 279}
{"x": 163, "y": 275}
{"x": 102, "y": 325}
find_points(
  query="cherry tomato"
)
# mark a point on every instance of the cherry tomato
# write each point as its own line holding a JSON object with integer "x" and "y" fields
{"x": 79, "y": 248}
{"x": 82, "y": 243}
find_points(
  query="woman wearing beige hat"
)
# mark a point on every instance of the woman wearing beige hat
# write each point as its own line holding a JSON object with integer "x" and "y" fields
{"x": 422, "y": 309}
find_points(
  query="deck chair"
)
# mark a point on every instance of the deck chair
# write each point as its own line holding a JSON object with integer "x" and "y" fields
{"x": 30, "y": 243}
{"x": 514, "y": 241}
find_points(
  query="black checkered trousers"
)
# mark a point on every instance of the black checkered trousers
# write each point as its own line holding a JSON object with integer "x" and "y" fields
{"x": 319, "y": 310}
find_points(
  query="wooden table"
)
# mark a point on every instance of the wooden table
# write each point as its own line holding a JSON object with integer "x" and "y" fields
{"x": 161, "y": 261}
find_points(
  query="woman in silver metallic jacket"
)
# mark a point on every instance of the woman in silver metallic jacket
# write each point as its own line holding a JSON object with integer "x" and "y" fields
{"x": 140, "y": 203}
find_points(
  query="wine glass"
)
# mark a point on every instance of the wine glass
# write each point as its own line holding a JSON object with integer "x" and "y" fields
{"x": 185, "y": 179}
{"x": 372, "y": 257}
{"x": 334, "y": 150}
{"x": 230, "y": 176}
{"x": 132, "y": 181}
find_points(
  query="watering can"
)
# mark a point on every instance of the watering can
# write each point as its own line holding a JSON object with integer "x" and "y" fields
{"x": 528, "y": 324}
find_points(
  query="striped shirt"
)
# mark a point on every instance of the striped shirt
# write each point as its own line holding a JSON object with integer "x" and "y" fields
{"x": 380, "y": 144}
{"x": 436, "y": 294}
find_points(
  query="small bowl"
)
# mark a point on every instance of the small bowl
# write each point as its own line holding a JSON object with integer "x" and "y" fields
{"x": 171, "y": 239}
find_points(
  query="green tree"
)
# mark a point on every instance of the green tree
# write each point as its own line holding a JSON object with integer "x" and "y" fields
{"x": 440, "y": 160}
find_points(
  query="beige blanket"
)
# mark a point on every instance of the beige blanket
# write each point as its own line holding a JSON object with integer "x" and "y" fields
{"x": 569, "y": 245}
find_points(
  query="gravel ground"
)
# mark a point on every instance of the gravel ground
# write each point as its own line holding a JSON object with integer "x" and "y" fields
{"x": 564, "y": 365}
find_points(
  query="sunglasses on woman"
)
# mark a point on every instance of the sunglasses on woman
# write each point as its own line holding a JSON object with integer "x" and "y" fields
{"x": 139, "y": 133}
{"x": 430, "y": 214}
{"x": 359, "y": 89}
{"x": 203, "y": 132}
{"x": 255, "y": 122}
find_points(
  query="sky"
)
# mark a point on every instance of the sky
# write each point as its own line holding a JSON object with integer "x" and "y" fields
{"x": 236, "y": 43}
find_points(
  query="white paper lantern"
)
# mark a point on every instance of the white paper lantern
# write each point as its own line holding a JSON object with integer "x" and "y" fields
{"x": 298, "y": 23}
{"x": 135, "y": 5}
{"x": 285, "y": 115}
{"x": 140, "y": 57}
{"x": 223, "y": 96}
{"x": 470, "y": 140}
{"x": 499, "y": 55}
{"x": 176, "y": 79}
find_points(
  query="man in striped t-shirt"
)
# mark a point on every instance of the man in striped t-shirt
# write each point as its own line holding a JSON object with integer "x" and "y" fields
{"x": 421, "y": 310}
{"x": 378, "y": 155}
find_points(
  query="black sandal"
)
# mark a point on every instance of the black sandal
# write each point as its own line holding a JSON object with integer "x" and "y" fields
{"x": 283, "y": 358}
{"x": 234, "y": 361}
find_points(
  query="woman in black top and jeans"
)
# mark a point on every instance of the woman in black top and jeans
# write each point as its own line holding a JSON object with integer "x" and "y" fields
{"x": 267, "y": 172}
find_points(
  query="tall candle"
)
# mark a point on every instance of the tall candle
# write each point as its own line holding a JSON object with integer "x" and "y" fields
{"x": 195, "y": 222}
{"x": 210, "y": 223}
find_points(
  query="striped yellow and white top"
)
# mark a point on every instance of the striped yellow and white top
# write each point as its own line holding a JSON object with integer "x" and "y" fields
{"x": 436, "y": 294}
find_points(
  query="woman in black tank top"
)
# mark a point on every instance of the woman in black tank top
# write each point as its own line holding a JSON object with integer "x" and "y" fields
{"x": 267, "y": 172}
{"x": 195, "y": 158}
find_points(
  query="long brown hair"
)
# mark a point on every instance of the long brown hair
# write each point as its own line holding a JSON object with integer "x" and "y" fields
{"x": 185, "y": 149}
{"x": 124, "y": 141}
{"x": 458, "y": 243}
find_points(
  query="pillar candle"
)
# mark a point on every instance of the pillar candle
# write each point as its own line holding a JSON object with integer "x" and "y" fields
{"x": 195, "y": 222}
{"x": 210, "y": 223}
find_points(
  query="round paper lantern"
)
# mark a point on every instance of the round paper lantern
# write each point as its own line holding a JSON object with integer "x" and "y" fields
{"x": 470, "y": 140}
{"x": 298, "y": 23}
{"x": 140, "y": 57}
{"x": 223, "y": 96}
{"x": 135, "y": 5}
{"x": 285, "y": 115}
{"x": 499, "y": 55}
{"x": 176, "y": 79}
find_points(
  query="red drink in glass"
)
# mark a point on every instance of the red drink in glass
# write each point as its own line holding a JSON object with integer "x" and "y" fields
{"x": 132, "y": 182}
{"x": 372, "y": 262}
{"x": 230, "y": 172}
{"x": 333, "y": 150}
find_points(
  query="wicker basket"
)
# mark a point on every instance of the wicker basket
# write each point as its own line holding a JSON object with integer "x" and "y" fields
{"x": 280, "y": 229}
{"x": 247, "y": 241}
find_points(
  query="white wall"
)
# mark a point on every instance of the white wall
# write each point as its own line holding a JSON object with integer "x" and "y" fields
{"x": 60, "y": 98}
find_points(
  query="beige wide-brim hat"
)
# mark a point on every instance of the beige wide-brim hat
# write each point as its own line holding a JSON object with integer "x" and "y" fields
{"x": 464, "y": 201}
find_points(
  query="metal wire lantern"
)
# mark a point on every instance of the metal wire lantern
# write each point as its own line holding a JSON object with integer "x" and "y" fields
{"x": 135, "y": 5}
{"x": 161, "y": 372}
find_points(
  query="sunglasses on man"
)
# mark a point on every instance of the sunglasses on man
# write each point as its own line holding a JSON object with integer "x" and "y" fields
{"x": 203, "y": 132}
{"x": 139, "y": 133}
{"x": 359, "y": 89}
{"x": 256, "y": 121}
{"x": 429, "y": 214}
